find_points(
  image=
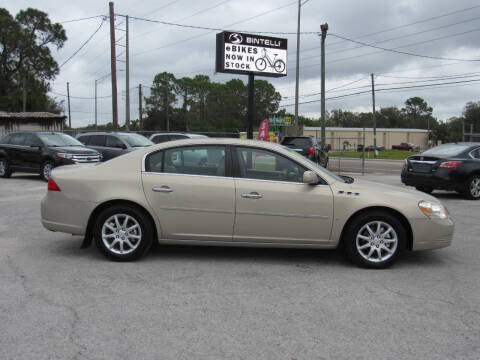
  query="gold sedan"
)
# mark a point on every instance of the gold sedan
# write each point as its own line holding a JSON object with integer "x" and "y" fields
{"x": 234, "y": 192}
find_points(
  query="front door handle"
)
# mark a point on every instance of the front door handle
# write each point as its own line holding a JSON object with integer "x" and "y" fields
{"x": 164, "y": 189}
{"x": 252, "y": 195}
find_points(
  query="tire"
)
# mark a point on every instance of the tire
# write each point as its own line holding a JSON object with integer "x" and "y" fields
{"x": 117, "y": 244}
{"x": 472, "y": 188}
{"x": 46, "y": 170}
{"x": 279, "y": 66}
{"x": 425, "y": 189}
{"x": 260, "y": 64}
{"x": 5, "y": 171}
{"x": 364, "y": 248}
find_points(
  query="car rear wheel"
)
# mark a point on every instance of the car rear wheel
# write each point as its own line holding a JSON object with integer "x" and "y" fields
{"x": 472, "y": 189}
{"x": 123, "y": 233}
{"x": 46, "y": 170}
{"x": 5, "y": 170}
{"x": 374, "y": 240}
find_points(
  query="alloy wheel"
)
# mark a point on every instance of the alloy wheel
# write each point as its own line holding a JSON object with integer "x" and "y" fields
{"x": 121, "y": 234}
{"x": 376, "y": 241}
{"x": 475, "y": 187}
{"x": 47, "y": 170}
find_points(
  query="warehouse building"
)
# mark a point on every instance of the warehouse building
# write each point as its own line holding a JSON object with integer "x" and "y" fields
{"x": 31, "y": 121}
{"x": 348, "y": 138}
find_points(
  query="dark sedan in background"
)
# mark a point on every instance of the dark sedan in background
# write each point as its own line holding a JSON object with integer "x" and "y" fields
{"x": 113, "y": 144}
{"x": 453, "y": 166}
{"x": 309, "y": 147}
{"x": 40, "y": 152}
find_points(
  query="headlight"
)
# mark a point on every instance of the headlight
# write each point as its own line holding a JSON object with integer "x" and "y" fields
{"x": 64, "y": 155}
{"x": 433, "y": 210}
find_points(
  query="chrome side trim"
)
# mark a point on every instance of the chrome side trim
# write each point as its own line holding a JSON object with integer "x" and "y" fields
{"x": 265, "y": 213}
{"x": 174, "y": 208}
{"x": 176, "y": 174}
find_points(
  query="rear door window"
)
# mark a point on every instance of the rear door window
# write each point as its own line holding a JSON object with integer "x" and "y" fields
{"x": 112, "y": 141}
{"x": 196, "y": 160}
{"x": 6, "y": 139}
{"x": 17, "y": 139}
{"x": 161, "y": 138}
{"x": 476, "y": 153}
{"x": 97, "y": 140}
{"x": 84, "y": 139}
{"x": 32, "y": 140}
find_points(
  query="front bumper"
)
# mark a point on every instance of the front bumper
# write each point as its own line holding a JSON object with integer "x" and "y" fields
{"x": 432, "y": 233}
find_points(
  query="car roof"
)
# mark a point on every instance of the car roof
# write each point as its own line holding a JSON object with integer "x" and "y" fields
{"x": 179, "y": 133}
{"x": 106, "y": 133}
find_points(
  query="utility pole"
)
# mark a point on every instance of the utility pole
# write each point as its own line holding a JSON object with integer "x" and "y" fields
{"x": 69, "y": 114}
{"x": 374, "y": 120}
{"x": 127, "y": 80}
{"x": 24, "y": 95}
{"x": 251, "y": 105}
{"x": 113, "y": 65}
{"x": 96, "y": 120}
{"x": 297, "y": 68}
{"x": 140, "y": 110}
{"x": 166, "y": 105}
{"x": 324, "y": 29}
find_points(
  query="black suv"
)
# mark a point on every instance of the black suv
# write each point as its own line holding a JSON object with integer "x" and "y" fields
{"x": 113, "y": 144}
{"x": 448, "y": 167}
{"x": 40, "y": 152}
{"x": 308, "y": 147}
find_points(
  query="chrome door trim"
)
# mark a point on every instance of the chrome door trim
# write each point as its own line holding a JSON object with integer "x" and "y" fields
{"x": 177, "y": 174}
{"x": 265, "y": 213}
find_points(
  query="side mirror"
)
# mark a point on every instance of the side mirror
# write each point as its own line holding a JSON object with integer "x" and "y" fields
{"x": 309, "y": 177}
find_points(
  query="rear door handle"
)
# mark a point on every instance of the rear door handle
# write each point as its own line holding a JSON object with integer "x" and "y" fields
{"x": 252, "y": 195}
{"x": 164, "y": 189}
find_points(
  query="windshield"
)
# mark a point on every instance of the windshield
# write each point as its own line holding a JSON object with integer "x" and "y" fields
{"x": 136, "y": 140}
{"x": 59, "y": 140}
{"x": 447, "y": 150}
{"x": 335, "y": 176}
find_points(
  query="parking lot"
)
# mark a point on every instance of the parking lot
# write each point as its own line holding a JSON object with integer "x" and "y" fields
{"x": 60, "y": 302}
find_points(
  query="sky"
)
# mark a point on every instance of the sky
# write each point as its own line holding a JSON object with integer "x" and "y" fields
{"x": 407, "y": 44}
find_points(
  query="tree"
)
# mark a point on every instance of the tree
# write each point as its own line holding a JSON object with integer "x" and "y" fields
{"x": 417, "y": 112}
{"x": 25, "y": 58}
{"x": 471, "y": 116}
{"x": 159, "y": 104}
{"x": 267, "y": 100}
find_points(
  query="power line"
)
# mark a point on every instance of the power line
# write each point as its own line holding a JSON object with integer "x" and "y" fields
{"x": 405, "y": 52}
{"x": 85, "y": 43}
{"x": 388, "y": 89}
{"x": 81, "y": 19}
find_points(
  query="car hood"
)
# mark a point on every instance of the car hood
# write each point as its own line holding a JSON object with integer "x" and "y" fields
{"x": 74, "y": 150}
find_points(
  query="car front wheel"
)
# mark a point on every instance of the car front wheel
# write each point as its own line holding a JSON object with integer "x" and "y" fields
{"x": 46, "y": 170}
{"x": 374, "y": 240}
{"x": 123, "y": 233}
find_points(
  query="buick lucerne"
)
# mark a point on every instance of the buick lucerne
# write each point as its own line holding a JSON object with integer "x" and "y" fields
{"x": 234, "y": 192}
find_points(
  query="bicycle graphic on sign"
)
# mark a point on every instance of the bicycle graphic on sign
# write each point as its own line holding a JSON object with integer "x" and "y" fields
{"x": 277, "y": 64}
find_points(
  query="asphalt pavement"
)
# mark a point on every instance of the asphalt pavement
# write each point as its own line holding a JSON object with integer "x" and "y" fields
{"x": 183, "y": 302}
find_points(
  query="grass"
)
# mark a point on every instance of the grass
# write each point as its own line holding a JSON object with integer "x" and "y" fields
{"x": 386, "y": 154}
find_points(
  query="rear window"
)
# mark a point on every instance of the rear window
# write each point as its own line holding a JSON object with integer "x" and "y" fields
{"x": 447, "y": 150}
{"x": 297, "y": 142}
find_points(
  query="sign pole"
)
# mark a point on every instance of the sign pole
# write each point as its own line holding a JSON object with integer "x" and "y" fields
{"x": 251, "y": 104}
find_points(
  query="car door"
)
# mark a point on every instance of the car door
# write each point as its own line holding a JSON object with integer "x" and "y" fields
{"x": 31, "y": 152}
{"x": 114, "y": 146}
{"x": 273, "y": 205}
{"x": 97, "y": 142}
{"x": 192, "y": 192}
{"x": 16, "y": 144}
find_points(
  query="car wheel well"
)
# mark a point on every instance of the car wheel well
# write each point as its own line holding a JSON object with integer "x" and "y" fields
{"x": 91, "y": 220}
{"x": 391, "y": 211}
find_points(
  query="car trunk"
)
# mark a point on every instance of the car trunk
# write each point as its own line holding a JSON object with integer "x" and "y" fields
{"x": 423, "y": 164}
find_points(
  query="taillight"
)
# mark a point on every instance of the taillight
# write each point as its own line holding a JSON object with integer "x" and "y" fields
{"x": 52, "y": 185}
{"x": 311, "y": 151}
{"x": 451, "y": 165}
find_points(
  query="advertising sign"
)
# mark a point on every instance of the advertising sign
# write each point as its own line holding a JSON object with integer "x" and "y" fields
{"x": 280, "y": 120}
{"x": 240, "y": 53}
{"x": 263, "y": 134}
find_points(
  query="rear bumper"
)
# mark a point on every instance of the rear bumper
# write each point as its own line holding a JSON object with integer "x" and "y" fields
{"x": 441, "y": 179}
{"x": 65, "y": 215}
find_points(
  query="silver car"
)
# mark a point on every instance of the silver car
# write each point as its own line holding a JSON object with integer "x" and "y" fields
{"x": 234, "y": 192}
